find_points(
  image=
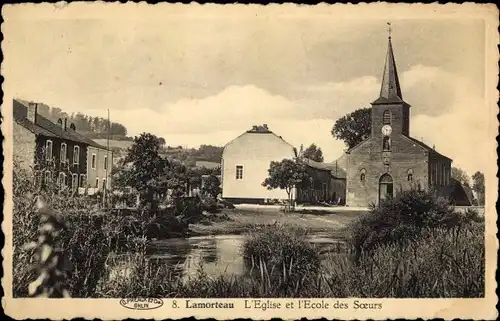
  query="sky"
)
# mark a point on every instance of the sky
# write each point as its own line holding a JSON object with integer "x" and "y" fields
{"x": 196, "y": 79}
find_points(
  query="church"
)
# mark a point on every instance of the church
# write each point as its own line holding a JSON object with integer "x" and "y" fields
{"x": 390, "y": 160}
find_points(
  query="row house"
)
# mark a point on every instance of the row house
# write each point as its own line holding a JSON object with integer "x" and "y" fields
{"x": 58, "y": 152}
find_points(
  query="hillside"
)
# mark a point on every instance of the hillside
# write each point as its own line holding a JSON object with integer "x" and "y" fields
{"x": 188, "y": 156}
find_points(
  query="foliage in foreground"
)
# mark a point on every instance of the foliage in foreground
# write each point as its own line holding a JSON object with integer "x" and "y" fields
{"x": 403, "y": 219}
{"x": 443, "y": 263}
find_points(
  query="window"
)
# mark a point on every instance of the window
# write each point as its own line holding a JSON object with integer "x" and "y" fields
{"x": 96, "y": 183}
{"x": 62, "y": 180}
{"x": 387, "y": 117}
{"x": 103, "y": 183}
{"x": 410, "y": 175}
{"x": 93, "y": 161}
{"x": 74, "y": 182}
{"x": 64, "y": 151}
{"x": 362, "y": 177}
{"x": 47, "y": 178}
{"x": 48, "y": 150}
{"x": 387, "y": 143}
{"x": 76, "y": 155}
{"x": 239, "y": 172}
{"x": 105, "y": 162}
{"x": 82, "y": 180}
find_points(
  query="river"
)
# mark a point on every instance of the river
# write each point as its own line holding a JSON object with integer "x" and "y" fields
{"x": 219, "y": 254}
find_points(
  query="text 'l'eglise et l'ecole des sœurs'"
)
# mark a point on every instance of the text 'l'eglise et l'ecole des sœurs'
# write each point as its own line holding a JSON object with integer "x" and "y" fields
{"x": 387, "y": 161}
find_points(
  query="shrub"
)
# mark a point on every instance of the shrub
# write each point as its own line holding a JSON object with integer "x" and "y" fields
{"x": 282, "y": 257}
{"x": 401, "y": 219}
{"x": 443, "y": 263}
{"x": 86, "y": 240}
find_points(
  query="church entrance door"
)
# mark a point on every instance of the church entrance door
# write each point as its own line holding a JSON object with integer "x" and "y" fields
{"x": 386, "y": 190}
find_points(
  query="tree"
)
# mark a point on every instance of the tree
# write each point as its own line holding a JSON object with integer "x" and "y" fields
{"x": 162, "y": 141}
{"x": 211, "y": 187}
{"x": 287, "y": 174}
{"x": 478, "y": 186}
{"x": 314, "y": 153}
{"x": 354, "y": 127}
{"x": 460, "y": 175}
{"x": 145, "y": 169}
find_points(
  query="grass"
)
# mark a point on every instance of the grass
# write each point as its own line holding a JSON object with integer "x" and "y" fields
{"x": 242, "y": 220}
{"x": 442, "y": 264}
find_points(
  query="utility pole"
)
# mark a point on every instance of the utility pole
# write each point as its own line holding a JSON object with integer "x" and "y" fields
{"x": 106, "y": 166}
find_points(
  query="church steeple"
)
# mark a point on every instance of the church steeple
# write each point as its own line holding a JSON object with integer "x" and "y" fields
{"x": 390, "y": 81}
{"x": 390, "y": 91}
{"x": 390, "y": 110}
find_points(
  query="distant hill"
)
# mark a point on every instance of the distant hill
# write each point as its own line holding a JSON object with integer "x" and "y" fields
{"x": 92, "y": 127}
{"x": 188, "y": 156}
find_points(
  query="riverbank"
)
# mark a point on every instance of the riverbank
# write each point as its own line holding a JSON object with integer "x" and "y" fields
{"x": 243, "y": 218}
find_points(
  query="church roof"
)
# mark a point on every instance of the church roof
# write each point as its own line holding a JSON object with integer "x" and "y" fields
{"x": 390, "y": 91}
{"x": 426, "y": 147}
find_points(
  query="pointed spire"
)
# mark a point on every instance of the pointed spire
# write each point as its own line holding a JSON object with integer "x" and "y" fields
{"x": 390, "y": 82}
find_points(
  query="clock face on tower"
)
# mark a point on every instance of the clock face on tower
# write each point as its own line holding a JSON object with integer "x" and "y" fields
{"x": 386, "y": 130}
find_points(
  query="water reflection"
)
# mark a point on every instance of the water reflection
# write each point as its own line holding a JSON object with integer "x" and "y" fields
{"x": 217, "y": 255}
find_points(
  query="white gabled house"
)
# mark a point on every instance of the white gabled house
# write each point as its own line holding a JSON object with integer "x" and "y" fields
{"x": 245, "y": 163}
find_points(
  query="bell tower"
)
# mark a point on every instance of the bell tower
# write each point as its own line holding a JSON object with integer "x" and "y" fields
{"x": 390, "y": 113}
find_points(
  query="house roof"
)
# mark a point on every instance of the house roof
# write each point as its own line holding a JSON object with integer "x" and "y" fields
{"x": 46, "y": 127}
{"x": 336, "y": 171}
{"x": 260, "y": 130}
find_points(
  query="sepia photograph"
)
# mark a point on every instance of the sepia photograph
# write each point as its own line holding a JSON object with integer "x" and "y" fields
{"x": 162, "y": 157}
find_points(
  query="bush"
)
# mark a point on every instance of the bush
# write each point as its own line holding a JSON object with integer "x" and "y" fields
{"x": 401, "y": 219}
{"x": 281, "y": 256}
{"x": 86, "y": 240}
{"x": 443, "y": 263}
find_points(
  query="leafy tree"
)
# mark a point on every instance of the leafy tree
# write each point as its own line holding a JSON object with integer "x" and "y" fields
{"x": 314, "y": 153}
{"x": 353, "y": 127}
{"x": 287, "y": 174}
{"x": 460, "y": 175}
{"x": 162, "y": 141}
{"x": 211, "y": 187}
{"x": 478, "y": 186}
{"x": 145, "y": 170}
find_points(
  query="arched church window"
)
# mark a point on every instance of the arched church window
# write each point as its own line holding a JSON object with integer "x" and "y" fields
{"x": 362, "y": 176}
{"x": 387, "y": 143}
{"x": 387, "y": 117}
{"x": 410, "y": 175}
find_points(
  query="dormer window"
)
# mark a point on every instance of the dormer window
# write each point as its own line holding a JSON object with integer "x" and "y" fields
{"x": 387, "y": 117}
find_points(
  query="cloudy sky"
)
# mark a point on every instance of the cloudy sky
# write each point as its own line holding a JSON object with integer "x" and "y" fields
{"x": 196, "y": 79}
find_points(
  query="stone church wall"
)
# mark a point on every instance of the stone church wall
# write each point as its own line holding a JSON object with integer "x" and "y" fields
{"x": 404, "y": 155}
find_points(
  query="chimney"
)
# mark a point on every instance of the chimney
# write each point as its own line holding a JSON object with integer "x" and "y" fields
{"x": 65, "y": 124}
{"x": 265, "y": 126}
{"x": 60, "y": 122}
{"x": 434, "y": 147}
{"x": 32, "y": 112}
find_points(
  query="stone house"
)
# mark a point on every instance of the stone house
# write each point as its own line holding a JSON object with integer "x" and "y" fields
{"x": 57, "y": 152}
